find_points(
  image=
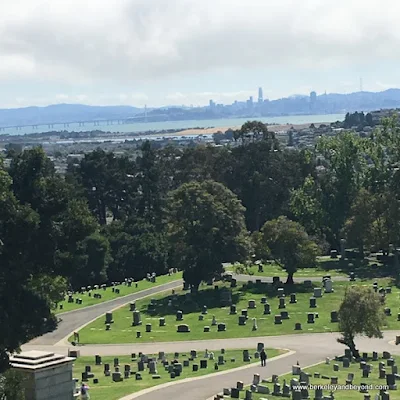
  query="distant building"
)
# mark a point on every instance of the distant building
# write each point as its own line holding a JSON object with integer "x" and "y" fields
{"x": 260, "y": 95}
{"x": 212, "y": 104}
{"x": 313, "y": 101}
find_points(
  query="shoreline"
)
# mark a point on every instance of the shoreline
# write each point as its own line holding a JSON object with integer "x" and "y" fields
{"x": 272, "y": 128}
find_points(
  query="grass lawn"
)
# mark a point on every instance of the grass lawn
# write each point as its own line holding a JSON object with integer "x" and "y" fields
{"x": 122, "y": 330}
{"x": 326, "y": 266}
{"x": 108, "y": 294}
{"x": 106, "y": 389}
{"x": 342, "y": 374}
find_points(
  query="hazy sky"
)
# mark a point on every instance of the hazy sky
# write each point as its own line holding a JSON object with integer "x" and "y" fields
{"x": 159, "y": 52}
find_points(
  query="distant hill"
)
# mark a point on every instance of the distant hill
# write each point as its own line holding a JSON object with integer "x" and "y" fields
{"x": 332, "y": 103}
{"x": 63, "y": 113}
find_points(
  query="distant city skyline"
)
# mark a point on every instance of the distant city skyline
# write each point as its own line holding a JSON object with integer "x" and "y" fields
{"x": 208, "y": 98}
{"x": 137, "y": 52}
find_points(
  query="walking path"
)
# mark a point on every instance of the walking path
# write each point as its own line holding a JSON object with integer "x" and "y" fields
{"x": 307, "y": 348}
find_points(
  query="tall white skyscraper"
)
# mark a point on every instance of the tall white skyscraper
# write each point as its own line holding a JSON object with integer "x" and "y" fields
{"x": 260, "y": 95}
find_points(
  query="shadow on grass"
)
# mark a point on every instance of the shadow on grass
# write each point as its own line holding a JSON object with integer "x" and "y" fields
{"x": 367, "y": 268}
{"x": 213, "y": 298}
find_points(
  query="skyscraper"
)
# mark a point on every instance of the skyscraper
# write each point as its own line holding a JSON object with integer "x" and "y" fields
{"x": 313, "y": 102}
{"x": 260, "y": 95}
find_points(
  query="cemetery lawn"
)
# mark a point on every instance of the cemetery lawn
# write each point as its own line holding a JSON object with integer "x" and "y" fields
{"x": 106, "y": 389}
{"x": 326, "y": 266}
{"x": 122, "y": 330}
{"x": 340, "y": 393}
{"x": 108, "y": 294}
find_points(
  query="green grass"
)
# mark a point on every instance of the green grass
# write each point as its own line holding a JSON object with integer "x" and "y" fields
{"x": 106, "y": 389}
{"x": 108, "y": 294}
{"x": 340, "y": 394}
{"x": 122, "y": 331}
{"x": 325, "y": 266}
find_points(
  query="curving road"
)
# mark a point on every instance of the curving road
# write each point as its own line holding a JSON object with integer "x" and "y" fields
{"x": 73, "y": 320}
{"x": 306, "y": 348}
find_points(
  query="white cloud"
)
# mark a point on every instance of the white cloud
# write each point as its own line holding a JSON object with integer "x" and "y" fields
{"x": 146, "y": 40}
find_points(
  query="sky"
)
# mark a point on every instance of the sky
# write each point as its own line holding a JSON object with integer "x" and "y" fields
{"x": 174, "y": 52}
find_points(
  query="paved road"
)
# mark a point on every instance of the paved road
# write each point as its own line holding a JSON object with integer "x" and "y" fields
{"x": 73, "y": 320}
{"x": 308, "y": 348}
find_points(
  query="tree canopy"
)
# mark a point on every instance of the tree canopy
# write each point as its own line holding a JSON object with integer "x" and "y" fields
{"x": 206, "y": 228}
{"x": 288, "y": 244}
{"x": 361, "y": 313}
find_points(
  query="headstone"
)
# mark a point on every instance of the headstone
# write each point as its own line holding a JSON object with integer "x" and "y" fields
{"x": 255, "y": 327}
{"x": 277, "y": 389}
{"x": 136, "y": 318}
{"x": 109, "y": 318}
{"x": 98, "y": 360}
{"x": 282, "y": 303}
{"x": 252, "y": 304}
{"x": 285, "y": 315}
{"x": 214, "y": 321}
{"x": 203, "y": 364}
{"x": 246, "y": 356}
{"x": 233, "y": 309}
{"x": 221, "y": 327}
{"x": 161, "y": 321}
{"x": 204, "y": 312}
{"x": 296, "y": 369}
{"x": 260, "y": 346}
{"x": 242, "y": 320}
{"x": 267, "y": 309}
{"x": 183, "y": 328}
{"x": 297, "y": 326}
{"x": 334, "y": 316}
{"x": 317, "y": 292}
{"x": 256, "y": 379}
{"x": 278, "y": 320}
{"x": 148, "y": 328}
{"x": 310, "y": 318}
{"x": 346, "y": 362}
{"x": 201, "y": 317}
{"x": 179, "y": 315}
{"x": 152, "y": 367}
{"x": 313, "y": 302}
{"x": 343, "y": 248}
{"x": 293, "y": 299}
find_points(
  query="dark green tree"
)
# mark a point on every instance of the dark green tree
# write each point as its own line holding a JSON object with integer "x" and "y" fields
{"x": 206, "y": 228}
{"x": 288, "y": 244}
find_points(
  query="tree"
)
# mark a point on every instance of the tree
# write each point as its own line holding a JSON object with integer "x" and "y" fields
{"x": 254, "y": 131}
{"x": 25, "y": 311}
{"x": 137, "y": 248}
{"x": 361, "y": 313}
{"x": 107, "y": 182}
{"x": 206, "y": 228}
{"x": 289, "y": 245}
{"x": 358, "y": 228}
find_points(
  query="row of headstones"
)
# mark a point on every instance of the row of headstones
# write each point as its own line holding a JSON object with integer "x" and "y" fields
{"x": 88, "y": 290}
{"x": 297, "y": 388}
{"x": 367, "y": 368}
{"x": 174, "y": 369}
{"x": 305, "y": 380}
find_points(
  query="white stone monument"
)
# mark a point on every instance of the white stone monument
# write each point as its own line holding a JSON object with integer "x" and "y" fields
{"x": 48, "y": 376}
